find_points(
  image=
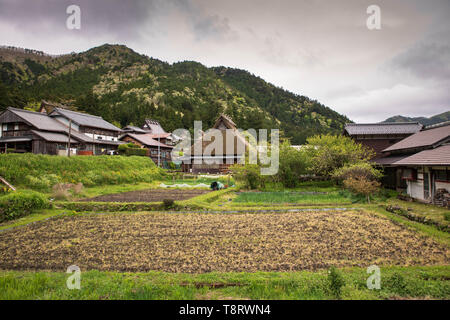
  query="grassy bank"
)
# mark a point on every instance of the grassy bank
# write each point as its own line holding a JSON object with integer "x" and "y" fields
{"x": 41, "y": 172}
{"x": 396, "y": 282}
{"x": 293, "y": 197}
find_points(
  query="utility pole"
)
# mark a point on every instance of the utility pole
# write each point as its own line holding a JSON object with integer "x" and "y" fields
{"x": 68, "y": 141}
{"x": 159, "y": 153}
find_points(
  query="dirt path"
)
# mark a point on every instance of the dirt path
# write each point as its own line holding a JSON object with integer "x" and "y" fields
{"x": 149, "y": 195}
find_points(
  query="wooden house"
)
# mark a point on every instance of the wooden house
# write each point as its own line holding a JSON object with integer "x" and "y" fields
{"x": 41, "y": 133}
{"x": 159, "y": 152}
{"x": 379, "y": 136}
{"x": 206, "y": 158}
{"x": 420, "y": 163}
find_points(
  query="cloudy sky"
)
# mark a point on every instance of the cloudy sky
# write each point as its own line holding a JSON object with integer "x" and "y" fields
{"x": 321, "y": 49}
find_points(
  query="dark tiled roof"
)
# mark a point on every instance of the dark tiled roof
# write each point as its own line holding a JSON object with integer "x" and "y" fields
{"x": 383, "y": 128}
{"x": 424, "y": 138}
{"x": 389, "y": 160}
{"x": 133, "y": 129}
{"x": 16, "y": 139}
{"x": 43, "y": 122}
{"x": 437, "y": 156}
{"x": 146, "y": 140}
{"x": 39, "y": 120}
{"x": 153, "y": 126}
{"x": 85, "y": 119}
{"x": 54, "y": 136}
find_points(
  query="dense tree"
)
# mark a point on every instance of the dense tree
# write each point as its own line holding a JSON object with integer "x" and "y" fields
{"x": 329, "y": 153}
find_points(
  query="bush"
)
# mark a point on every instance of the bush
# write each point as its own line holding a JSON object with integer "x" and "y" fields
{"x": 447, "y": 216}
{"x": 397, "y": 284}
{"x": 168, "y": 203}
{"x": 328, "y": 153}
{"x": 356, "y": 171}
{"x": 131, "y": 149}
{"x": 335, "y": 282}
{"x": 142, "y": 152}
{"x": 21, "y": 203}
{"x": 61, "y": 191}
{"x": 249, "y": 175}
{"x": 293, "y": 165}
{"x": 362, "y": 186}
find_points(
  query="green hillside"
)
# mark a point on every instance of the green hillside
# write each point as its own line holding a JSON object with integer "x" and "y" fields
{"x": 125, "y": 87}
{"x": 442, "y": 117}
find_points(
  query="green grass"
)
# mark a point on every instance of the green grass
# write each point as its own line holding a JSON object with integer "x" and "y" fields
{"x": 111, "y": 189}
{"x": 292, "y": 197}
{"x": 317, "y": 186}
{"x": 224, "y": 179}
{"x": 37, "y": 216}
{"x": 41, "y": 172}
{"x": 438, "y": 235}
{"x": 408, "y": 282}
{"x": 429, "y": 211}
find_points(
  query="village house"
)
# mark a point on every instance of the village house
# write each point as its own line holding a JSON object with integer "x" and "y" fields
{"x": 153, "y": 137}
{"x": 420, "y": 164}
{"x": 379, "y": 136}
{"x": 159, "y": 152}
{"x": 42, "y": 133}
{"x": 231, "y": 151}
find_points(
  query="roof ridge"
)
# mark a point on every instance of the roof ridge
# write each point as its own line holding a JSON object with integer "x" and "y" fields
{"x": 382, "y": 123}
{"x": 28, "y": 111}
{"x": 437, "y": 125}
{"x": 81, "y": 113}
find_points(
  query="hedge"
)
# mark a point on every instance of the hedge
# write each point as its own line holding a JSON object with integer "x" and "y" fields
{"x": 21, "y": 203}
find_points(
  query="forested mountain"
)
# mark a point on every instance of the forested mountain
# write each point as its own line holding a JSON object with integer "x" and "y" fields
{"x": 442, "y": 117}
{"x": 125, "y": 87}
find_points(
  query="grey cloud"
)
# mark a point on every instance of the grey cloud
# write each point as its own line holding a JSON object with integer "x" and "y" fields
{"x": 122, "y": 19}
{"x": 425, "y": 60}
{"x": 213, "y": 26}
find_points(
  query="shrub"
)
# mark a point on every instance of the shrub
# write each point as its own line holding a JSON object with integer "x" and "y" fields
{"x": 356, "y": 171}
{"x": 328, "y": 153}
{"x": 293, "y": 165}
{"x": 168, "y": 203}
{"x": 61, "y": 191}
{"x": 136, "y": 152}
{"x": 131, "y": 149}
{"x": 397, "y": 284}
{"x": 78, "y": 188}
{"x": 362, "y": 186}
{"x": 249, "y": 175}
{"x": 335, "y": 282}
{"x": 447, "y": 216}
{"x": 21, "y": 203}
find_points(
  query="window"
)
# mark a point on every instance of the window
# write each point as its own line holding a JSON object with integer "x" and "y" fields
{"x": 442, "y": 175}
{"x": 409, "y": 174}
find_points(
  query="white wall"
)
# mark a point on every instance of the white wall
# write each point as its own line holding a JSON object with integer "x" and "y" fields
{"x": 103, "y": 137}
{"x": 415, "y": 189}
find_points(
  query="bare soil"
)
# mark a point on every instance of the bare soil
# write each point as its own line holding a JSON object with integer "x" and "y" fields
{"x": 149, "y": 195}
{"x": 196, "y": 243}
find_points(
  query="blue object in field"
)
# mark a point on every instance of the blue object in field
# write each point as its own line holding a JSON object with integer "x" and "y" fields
{"x": 217, "y": 185}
